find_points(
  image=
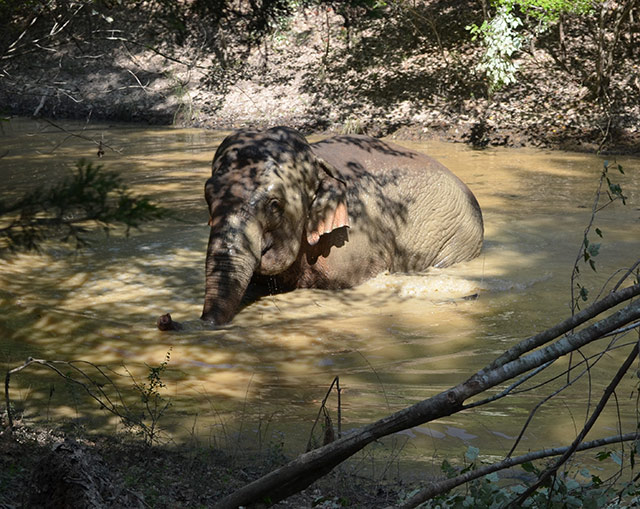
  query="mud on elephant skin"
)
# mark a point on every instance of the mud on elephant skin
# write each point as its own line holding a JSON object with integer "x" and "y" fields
{"x": 287, "y": 214}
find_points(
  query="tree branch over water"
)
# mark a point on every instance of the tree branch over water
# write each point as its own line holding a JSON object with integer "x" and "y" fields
{"x": 308, "y": 467}
{"x": 66, "y": 209}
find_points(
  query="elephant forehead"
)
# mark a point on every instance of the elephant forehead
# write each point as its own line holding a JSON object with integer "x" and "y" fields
{"x": 246, "y": 175}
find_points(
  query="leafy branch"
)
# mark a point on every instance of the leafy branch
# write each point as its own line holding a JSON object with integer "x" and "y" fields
{"x": 91, "y": 196}
{"x": 589, "y": 250}
{"x": 525, "y": 460}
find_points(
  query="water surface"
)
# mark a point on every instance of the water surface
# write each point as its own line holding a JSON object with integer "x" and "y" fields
{"x": 392, "y": 341}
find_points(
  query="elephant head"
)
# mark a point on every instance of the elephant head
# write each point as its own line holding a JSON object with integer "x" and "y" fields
{"x": 269, "y": 196}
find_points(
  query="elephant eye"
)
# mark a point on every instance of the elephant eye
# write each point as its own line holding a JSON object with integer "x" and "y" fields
{"x": 275, "y": 207}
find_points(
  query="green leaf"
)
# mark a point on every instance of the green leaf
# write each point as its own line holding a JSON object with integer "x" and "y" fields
{"x": 472, "y": 453}
{"x": 492, "y": 477}
{"x": 448, "y": 469}
{"x": 572, "y": 484}
{"x": 584, "y": 293}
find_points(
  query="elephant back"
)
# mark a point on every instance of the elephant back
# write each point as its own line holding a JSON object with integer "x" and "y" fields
{"x": 404, "y": 204}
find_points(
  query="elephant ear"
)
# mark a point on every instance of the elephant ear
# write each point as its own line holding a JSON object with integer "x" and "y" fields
{"x": 328, "y": 210}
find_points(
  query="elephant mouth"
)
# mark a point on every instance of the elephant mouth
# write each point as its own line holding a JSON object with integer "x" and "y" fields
{"x": 266, "y": 247}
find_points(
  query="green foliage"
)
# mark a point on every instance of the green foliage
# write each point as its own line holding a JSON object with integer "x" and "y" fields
{"x": 91, "y": 196}
{"x": 154, "y": 405}
{"x": 547, "y": 10}
{"x": 500, "y": 40}
{"x": 583, "y": 490}
{"x": 589, "y": 250}
{"x": 551, "y": 10}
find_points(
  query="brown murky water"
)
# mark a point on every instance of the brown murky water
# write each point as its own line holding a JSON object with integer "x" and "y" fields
{"x": 393, "y": 341}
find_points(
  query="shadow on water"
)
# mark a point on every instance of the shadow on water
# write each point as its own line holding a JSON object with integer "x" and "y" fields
{"x": 393, "y": 341}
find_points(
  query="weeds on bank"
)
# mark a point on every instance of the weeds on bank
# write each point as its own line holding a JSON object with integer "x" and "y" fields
{"x": 154, "y": 405}
{"x": 142, "y": 420}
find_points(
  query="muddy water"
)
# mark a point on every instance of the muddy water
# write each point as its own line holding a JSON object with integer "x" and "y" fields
{"x": 393, "y": 341}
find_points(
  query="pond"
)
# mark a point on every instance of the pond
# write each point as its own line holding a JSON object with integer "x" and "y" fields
{"x": 392, "y": 341}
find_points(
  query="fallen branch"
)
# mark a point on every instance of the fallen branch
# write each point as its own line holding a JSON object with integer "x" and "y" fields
{"x": 308, "y": 467}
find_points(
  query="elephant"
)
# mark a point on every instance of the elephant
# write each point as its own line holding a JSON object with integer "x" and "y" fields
{"x": 288, "y": 214}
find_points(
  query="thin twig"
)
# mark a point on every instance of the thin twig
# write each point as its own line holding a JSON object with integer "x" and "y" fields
{"x": 335, "y": 381}
{"x": 587, "y": 427}
{"x": 627, "y": 274}
{"x": 71, "y": 134}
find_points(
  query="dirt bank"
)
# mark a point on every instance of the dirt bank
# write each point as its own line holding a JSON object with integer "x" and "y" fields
{"x": 409, "y": 74}
{"x": 47, "y": 468}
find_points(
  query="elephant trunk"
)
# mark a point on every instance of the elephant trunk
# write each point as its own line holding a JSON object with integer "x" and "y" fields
{"x": 232, "y": 257}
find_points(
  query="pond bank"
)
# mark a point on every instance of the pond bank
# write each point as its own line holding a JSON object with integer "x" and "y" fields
{"x": 408, "y": 75}
{"x": 54, "y": 467}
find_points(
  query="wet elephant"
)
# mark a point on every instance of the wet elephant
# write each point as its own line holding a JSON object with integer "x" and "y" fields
{"x": 287, "y": 214}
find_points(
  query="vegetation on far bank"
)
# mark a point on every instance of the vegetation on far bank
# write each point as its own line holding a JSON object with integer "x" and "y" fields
{"x": 552, "y": 73}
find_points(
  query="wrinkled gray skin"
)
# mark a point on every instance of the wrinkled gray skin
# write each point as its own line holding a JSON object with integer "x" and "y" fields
{"x": 286, "y": 214}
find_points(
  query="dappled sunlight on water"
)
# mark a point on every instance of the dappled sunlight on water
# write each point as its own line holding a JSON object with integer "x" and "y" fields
{"x": 393, "y": 341}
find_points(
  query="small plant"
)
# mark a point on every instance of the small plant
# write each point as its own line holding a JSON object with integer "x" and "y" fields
{"x": 184, "y": 109}
{"x": 500, "y": 40}
{"x": 154, "y": 405}
{"x": 352, "y": 126}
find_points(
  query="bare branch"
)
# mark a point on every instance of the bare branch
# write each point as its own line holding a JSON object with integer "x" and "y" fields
{"x": 587, "y": 427}
{"x": 611, "y": 300}
{"x": 626, "y": 275}
{"x": 99, "y": 143}
{"x": 88, "y": 387}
